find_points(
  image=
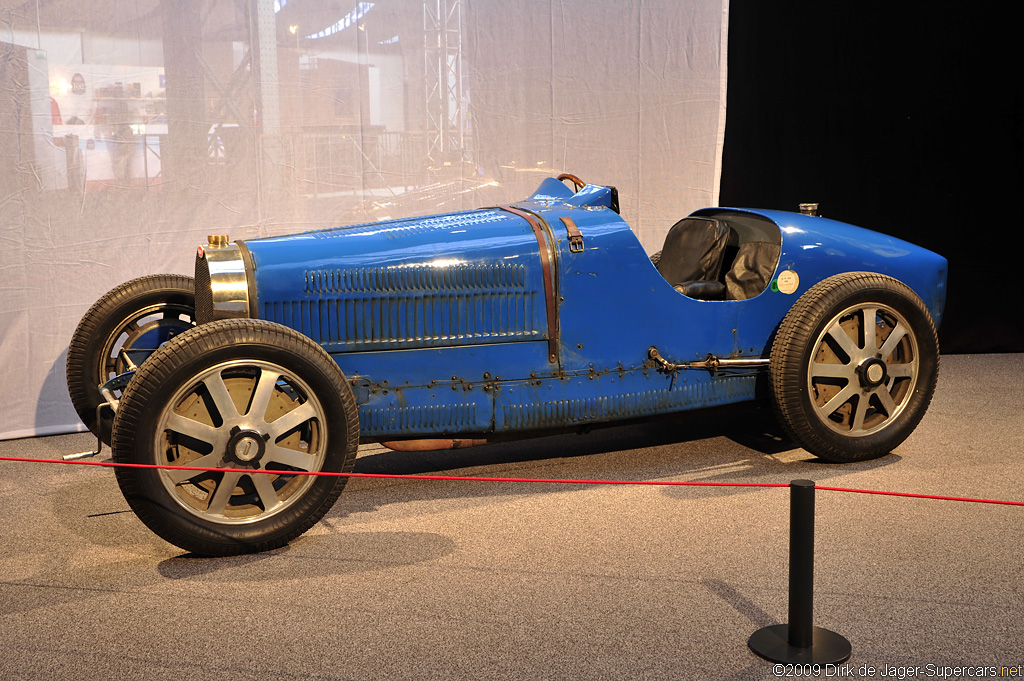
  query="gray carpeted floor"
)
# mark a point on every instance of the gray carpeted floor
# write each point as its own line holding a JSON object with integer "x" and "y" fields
{"x": 470, "y": 580}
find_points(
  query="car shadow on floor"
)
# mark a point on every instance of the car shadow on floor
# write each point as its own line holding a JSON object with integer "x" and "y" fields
{"x": 728, "y": 444}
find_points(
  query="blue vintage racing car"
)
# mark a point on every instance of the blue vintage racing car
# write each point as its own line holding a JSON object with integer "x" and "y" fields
{"x": 283, "y": 354}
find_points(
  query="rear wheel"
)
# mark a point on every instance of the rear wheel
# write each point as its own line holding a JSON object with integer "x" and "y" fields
{"x": 141, "y": 314}
{"x": 247, "y": 395}
{"x": 854, "y": 366}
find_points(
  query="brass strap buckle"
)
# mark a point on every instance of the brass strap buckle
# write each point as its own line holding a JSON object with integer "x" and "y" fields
{"x": 575, "y": 238}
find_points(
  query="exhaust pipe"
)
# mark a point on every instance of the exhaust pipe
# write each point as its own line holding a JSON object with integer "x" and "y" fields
{"x": 431, "y": 445}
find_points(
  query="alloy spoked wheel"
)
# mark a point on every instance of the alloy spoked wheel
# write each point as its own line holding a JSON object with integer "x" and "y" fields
{"x": 241, "y": 415}
{"x": 122, "y": 328}
{"x": 864, "y": 369}
{"x": 143, "y": 330}
{"x": 255, "y": 398}
{"x": 854, "y": 366}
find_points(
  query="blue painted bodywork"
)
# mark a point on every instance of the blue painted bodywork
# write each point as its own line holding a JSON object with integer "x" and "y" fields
{"x": 440, "y": 323}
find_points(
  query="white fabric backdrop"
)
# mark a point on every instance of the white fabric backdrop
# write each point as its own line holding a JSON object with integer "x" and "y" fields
{"x": 629, "y": 93}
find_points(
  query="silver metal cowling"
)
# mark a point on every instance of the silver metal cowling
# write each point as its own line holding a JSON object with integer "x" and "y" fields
{"x": 222, "y": 287}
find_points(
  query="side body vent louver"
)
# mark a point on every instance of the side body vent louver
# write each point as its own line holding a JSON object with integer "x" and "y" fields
{"x": 413, "y": 306}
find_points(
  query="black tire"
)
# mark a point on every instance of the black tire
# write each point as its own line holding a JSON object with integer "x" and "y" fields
{"x": 656, "y": 259}
{"x": 184, "y": 407}
{"x": 846, "y": 390}
{"x": 135, "y": 314}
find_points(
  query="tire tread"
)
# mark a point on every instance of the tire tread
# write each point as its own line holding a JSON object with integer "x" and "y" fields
{"x": 144, "y": 390}
{"x": 80, "y": 358}
{"x": 798, "y": 330}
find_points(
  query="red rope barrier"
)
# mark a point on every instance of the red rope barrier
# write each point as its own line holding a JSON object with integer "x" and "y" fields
{"x": 393, "y": 476}
{"x": 111, "y": 464}
{"x": 920, "y": 496}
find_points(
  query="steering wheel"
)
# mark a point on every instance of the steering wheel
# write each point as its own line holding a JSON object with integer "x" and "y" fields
{"x": 580, "y": 184}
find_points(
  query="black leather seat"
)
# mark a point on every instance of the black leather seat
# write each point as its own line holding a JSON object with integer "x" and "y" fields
{"x": 751, "y": 270}
{"x": 691, "y": 259}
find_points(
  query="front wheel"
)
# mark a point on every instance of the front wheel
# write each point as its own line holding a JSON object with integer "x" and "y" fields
{"x": 247, "y": 395}
{"x": 854, "y": 366}
{"x": 139, "y": 315}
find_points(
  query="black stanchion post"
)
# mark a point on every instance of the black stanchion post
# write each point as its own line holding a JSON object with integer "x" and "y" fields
{"x": 801, "y": 563}
{"x": 800, "y": 642}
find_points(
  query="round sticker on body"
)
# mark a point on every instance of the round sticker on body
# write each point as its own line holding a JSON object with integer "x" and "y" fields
{"x": 788, "y": 281}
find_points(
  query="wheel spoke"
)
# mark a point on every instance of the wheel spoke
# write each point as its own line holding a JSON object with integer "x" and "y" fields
{"x": 264, "y": 391}
{"x": 839, "y": 400}
{"x": 193, "y": 429}
{"x": 892, "y": 341}
{"x": 823, "y": 370}
{"x": 886, "y": 399}
{"x": 846, "y": 343}
{"x": 295, "y": 417}
{"x": 290, "y": 457}
{"x": 265, "y": 488}
{"x": 860, "y": 413}
{"x": 221, "y": 497}
{"x": 901, "y": 370}
{"x": 869, "y": 325}
{"x": 178, "y": 476}
{"x": 221, "y": 397}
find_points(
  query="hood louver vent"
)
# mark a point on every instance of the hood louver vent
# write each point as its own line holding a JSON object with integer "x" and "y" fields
{"x": 416, "y": 278}
{"x": 413, "y": 306}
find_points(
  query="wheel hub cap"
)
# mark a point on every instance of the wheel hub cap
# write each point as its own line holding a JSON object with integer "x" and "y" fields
{"x": 246, "y": 447}
{"x": 872, "y": 373}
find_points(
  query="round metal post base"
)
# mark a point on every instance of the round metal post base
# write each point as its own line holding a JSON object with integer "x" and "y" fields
{"x": 772, "y": 643}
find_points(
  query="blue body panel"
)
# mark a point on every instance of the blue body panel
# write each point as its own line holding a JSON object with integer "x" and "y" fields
{"x": 822, "y": 247}
{"x": 459, "y": 279}
{"x": 441, "y": 323}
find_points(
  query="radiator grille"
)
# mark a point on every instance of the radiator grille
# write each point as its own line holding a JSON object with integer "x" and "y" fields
{"x": 204, "y": 292}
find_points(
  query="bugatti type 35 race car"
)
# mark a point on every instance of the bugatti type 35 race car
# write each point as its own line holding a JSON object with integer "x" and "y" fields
{"x": 283, "y": 354}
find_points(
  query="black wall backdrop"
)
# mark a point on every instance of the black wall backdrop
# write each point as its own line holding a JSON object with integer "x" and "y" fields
{"x": 905, "y": 118}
